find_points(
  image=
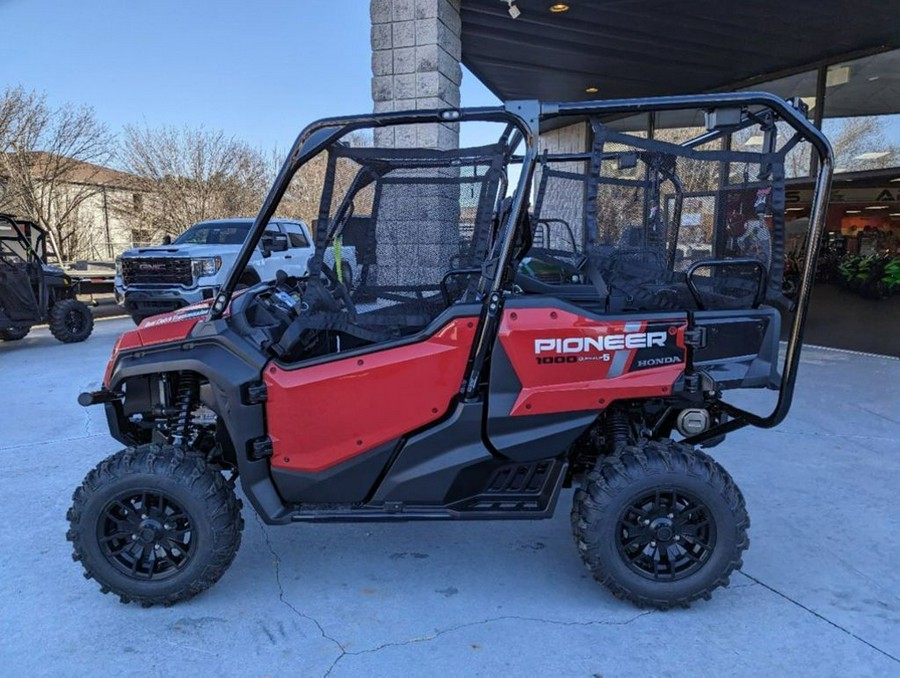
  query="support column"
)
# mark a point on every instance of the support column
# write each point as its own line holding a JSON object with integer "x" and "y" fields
{"x": 416, "y": 50}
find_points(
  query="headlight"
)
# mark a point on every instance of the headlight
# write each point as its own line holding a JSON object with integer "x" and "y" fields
{"x": 206, "y": 266}
{"x": 119, "y": 266}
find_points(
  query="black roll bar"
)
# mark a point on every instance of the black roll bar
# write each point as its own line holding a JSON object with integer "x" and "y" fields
{"x": 825, "y": 155}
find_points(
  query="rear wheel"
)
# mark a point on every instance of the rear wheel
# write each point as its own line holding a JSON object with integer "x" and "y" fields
{"x": 154, "y": 524}
{"x": 14, "y": 333}
{"x": 660, "y": 524}
{"x": 71, "y": 321}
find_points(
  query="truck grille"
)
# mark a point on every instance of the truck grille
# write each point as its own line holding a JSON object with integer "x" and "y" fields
{"x": 158, "y": 270}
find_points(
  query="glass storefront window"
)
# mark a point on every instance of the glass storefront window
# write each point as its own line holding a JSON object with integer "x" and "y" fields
{"x": 864, "y": 143}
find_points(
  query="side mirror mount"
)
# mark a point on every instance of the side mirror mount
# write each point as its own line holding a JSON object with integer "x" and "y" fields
{"x": 167, "y": 239}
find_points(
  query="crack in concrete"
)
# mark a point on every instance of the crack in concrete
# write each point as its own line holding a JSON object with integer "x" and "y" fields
{"x": 88, "y": 421}
{"x": 821, "y": 617}
{"x": 277, "y": 564}
{"x": 53, "y": 441}
{"x": 343, "y": 652}
{"x": 441, "y": 632}
{"x": 823, "y": 434}
{"x": 875, "y": 414}
{"x": 748, "y": 585}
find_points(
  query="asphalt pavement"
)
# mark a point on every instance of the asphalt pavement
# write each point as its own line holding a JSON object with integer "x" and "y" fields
{"x": 819, "y": 594}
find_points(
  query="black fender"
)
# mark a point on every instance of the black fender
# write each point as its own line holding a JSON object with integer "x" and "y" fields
{"x": 230, "y": 366}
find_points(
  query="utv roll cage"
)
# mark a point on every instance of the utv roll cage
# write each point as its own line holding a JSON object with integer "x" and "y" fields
{"x": 726, "y": 115}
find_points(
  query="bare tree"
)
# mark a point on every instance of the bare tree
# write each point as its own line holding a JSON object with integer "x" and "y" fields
{"x": 859, "y": 144}
{"x": 190, "y": 175}
{"x": 304, "y": 193}
{"x": 49, "y": 160}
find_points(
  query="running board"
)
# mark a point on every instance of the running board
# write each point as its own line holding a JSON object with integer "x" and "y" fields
{"x": 514, "y": 492}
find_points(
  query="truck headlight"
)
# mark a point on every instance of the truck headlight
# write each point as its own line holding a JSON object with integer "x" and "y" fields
{"x": 206, "y": 266}
{"x": 119, "y": 266}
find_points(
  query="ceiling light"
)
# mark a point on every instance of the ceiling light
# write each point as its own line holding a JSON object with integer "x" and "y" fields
{"x": 894, "y": 181}
{"x": 877, "y": 207}
{"x": 514, "y": 11}
{"x": 559, "y": 8}
{"x": 871, "y": 155}
{"x": 794, "y": 209}
{"x": 755, "y": 140}
{"x": 894, "y": 214}
{"x": 852, "y": 211}
{"x": 874, "y": 78}
{"x": 837, "y": 75}
{"x": 591, "y": 90}
{"x": 838, "y": 170}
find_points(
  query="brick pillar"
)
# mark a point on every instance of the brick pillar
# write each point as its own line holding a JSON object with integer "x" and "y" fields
{"x": 415, "y": 65}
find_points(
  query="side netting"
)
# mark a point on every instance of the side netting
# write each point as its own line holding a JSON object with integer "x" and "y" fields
{"x": 560, "y": 216}
{"x": 413, "y": 217}
{"x": 660, "y": 215}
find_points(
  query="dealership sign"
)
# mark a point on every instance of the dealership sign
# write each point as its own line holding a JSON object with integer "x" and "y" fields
{"x": 869, "y": 195}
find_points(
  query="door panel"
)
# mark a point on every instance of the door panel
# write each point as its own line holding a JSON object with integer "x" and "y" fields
{"x": 559, "y": 359}
{"x": 325, "y": 414}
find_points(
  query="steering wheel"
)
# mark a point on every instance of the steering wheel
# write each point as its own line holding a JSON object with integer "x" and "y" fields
{"x": 339, "y": 290}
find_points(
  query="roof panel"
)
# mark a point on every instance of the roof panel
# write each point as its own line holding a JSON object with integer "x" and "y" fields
{"x": 628, "y": 48}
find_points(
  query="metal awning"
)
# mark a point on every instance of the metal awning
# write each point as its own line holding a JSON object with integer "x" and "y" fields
{"x": 636, "y": 48}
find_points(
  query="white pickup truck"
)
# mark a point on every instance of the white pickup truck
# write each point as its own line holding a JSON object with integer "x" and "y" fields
{"x": 151, "y": 280}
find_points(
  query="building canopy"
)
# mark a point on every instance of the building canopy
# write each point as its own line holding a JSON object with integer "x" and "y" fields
{"x": 609, "y": 49}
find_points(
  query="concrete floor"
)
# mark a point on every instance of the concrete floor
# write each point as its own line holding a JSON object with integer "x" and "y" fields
{"x": 818, "y": 595}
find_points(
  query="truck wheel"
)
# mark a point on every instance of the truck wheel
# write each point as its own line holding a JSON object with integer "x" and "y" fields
{"x": 660, "y": 524}
{"x": 154, "y": 524}
{"x": 71, "y": 321}
{"x": 14, "y": 333}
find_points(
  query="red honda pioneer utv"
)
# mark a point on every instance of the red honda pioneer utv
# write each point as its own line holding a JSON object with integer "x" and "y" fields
{"x": 491, "y": 351}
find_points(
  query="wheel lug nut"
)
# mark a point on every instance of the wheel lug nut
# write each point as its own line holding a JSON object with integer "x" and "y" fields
{"x": 143, "y": 516}
{"x": 677, "y": 538}
{"x": 670, "y": 516}
{"x": 646, "y": 522}
{"x": 134, "y": 537}
{"x": 653, "y": 543}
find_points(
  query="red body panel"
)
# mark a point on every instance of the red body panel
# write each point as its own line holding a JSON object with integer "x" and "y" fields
{"x": 567, "y": 377}
{"x": 158, "y": 329}
{"x": 325, "y": 414}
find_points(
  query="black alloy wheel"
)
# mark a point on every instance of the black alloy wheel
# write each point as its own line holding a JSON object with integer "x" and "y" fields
{"x": 660, "y": 523}
{"x": 71, "y": 321}
{"x": 155, "y": 524}
{"x": 146, "y": 535}
{"x": 666, "y": 535}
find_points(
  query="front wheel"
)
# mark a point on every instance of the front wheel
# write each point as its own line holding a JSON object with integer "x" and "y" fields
{"x": 154, "y": 524}
{"x": 660, "y": 524}
{"x": 71, "y": 321}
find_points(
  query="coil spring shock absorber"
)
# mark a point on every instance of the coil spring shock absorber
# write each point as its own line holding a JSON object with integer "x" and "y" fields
{"x": 617, "y": 430}
{"x": 185, "y": 399}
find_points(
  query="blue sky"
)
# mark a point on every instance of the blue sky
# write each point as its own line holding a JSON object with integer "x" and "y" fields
{"x": 258, "y": 70}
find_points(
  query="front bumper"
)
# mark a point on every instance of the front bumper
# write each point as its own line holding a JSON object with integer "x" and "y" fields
{"x": 154, "y": 302}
